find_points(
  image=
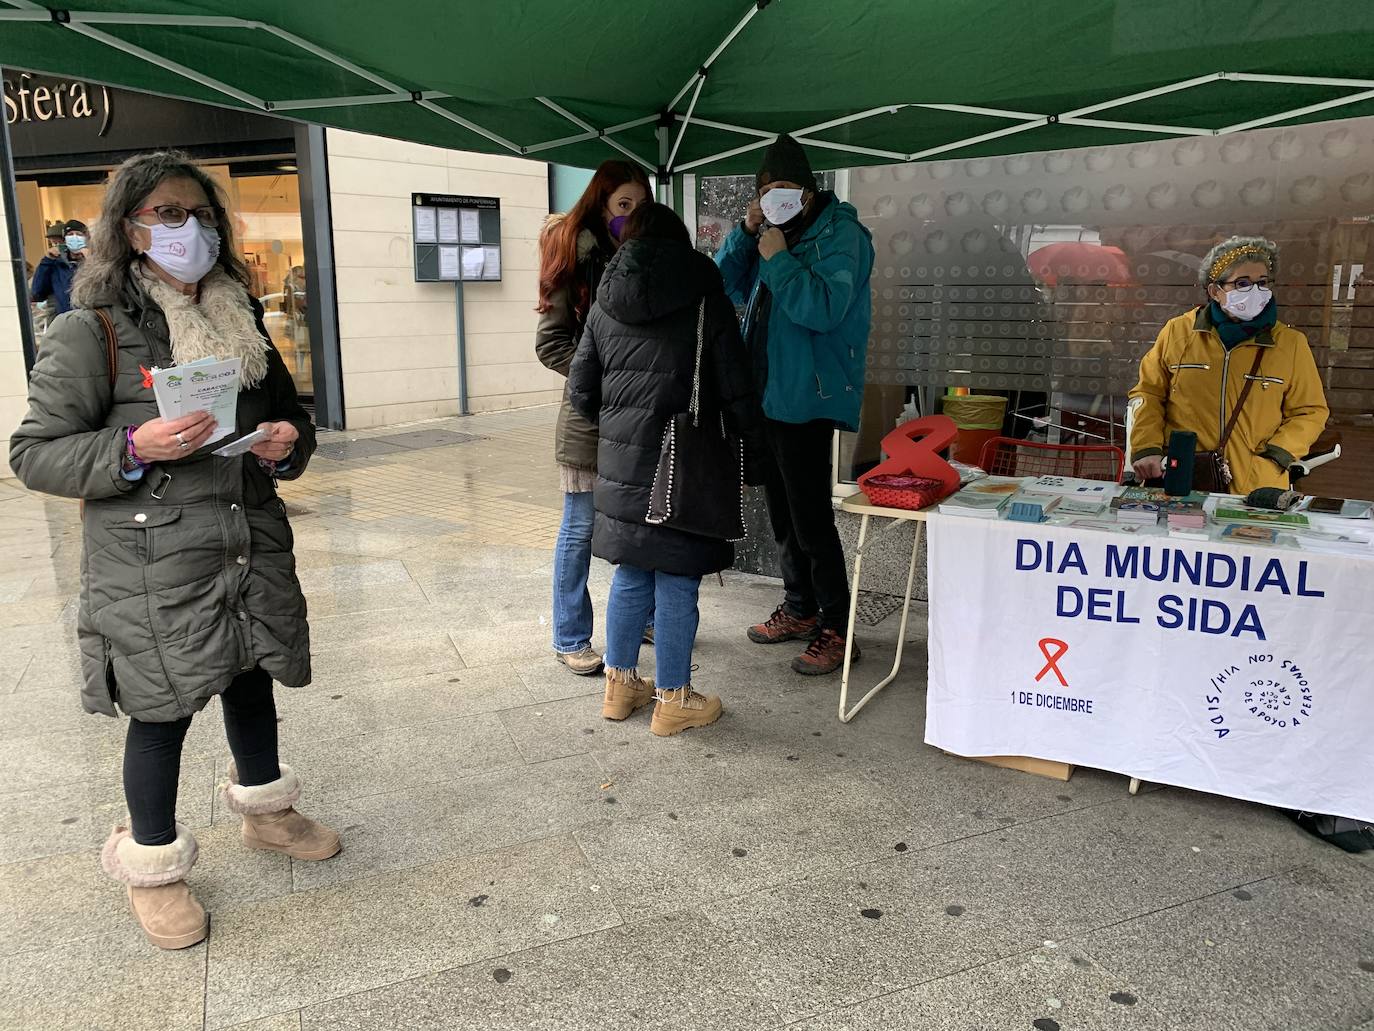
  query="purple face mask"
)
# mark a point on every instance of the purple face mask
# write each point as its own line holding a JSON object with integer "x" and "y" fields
{"x": 617, "y": 226}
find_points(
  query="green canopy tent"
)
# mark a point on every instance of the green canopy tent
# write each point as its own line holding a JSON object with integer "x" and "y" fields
{"x": 700, "y": 86}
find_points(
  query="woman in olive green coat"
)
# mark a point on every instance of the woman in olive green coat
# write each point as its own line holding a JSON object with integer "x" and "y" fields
{"x": 189, "y": 587}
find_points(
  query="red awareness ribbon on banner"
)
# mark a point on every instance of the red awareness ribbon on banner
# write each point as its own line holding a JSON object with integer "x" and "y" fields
{"x": 1052, "y": 661}
{"x": 914, "y": 447}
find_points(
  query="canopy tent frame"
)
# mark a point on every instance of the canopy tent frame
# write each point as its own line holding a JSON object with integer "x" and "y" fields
{"x": 85, "y": 23}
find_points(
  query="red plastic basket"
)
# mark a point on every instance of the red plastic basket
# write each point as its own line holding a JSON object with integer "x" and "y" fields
{"x": 910, "y": 492}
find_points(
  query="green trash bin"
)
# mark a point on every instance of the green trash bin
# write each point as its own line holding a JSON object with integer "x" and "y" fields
{"x": 979, "y": 418}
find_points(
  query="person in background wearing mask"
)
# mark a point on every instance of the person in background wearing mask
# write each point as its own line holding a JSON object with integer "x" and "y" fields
{"x": 188, "y": 579}
{"x": 53, "y": 280}
{"x": 1192, "y": 378}
{"x": 801, "y": 261}
{"x": 573, "y": 251}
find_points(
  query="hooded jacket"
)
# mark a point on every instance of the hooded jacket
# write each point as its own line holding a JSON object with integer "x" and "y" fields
{"x": 1189, "y": 381}
{"x": 819, "y": 319}
{"x": 633, "y": 373}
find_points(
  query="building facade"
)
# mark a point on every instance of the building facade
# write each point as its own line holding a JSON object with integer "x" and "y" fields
{"x": 323, "y": 217}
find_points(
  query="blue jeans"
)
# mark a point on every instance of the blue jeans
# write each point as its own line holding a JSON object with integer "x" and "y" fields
{"x": 637, "y": 595}
{"x": 572, "y": 562}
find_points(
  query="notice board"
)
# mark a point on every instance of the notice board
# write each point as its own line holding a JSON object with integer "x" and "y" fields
{"x": 457, "y": 238}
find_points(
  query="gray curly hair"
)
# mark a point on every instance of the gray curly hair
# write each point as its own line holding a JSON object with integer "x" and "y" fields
{"x": 109, "y": 255}
{"x": 1230, "y": 253}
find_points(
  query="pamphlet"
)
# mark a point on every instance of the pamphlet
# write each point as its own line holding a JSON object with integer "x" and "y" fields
{"x": 242, "y": 445}
{"x": 206, "y": 385}
{"x": 1074, "y": 486}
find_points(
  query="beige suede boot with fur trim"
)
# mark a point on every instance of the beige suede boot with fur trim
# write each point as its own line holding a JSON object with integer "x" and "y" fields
{"x": 270, "y": 822}
{"x": 156, "y": 878}
{"x": 683, "y": 709}
{"x": 626, "y": 691}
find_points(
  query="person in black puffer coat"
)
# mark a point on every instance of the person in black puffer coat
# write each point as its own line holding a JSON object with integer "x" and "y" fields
{"x": 633, "y": 372}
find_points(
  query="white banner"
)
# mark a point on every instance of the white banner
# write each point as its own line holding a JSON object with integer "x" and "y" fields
{"x": 1242, "y": 671}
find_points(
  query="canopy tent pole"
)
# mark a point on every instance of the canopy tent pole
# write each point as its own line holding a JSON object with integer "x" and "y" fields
{"x": 850, "y": 148}
{"x": 682, "y": 130}
{"x": 431, "y": 106}
{"x": 1283, "y": 116}
{"x": 754, "y": 9}
{"x": 1009, "y": 130}
{"x": 365, "y": 99}
{"x": 601, "y": 133}
{"x": 1163, "y": 130}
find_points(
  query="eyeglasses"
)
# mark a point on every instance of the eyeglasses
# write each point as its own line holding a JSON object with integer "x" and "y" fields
{"x": 1244, "y": 284}
{"x": 174, "y": 216}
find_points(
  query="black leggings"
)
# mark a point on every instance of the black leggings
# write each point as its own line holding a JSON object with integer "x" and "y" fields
{"x": 152, "y": 755}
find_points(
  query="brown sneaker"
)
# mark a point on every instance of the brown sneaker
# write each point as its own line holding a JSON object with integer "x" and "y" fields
{"x": 683, "y": 709}
{"x": 783, "y": 626}
{"x": 825, "y": 655}
{"x": 586, "y": 663}
{"x": 626, "y": 691}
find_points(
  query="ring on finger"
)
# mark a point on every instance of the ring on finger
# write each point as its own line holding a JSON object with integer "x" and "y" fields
{"x": 181, "y": 441}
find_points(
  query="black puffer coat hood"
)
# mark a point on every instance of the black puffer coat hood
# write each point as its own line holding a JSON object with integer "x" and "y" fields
{"x": 633, "y": 373}
{"x": 648, "y": 280}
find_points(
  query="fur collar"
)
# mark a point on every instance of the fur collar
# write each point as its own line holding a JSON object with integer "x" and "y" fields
{"x": 218, "y": 325}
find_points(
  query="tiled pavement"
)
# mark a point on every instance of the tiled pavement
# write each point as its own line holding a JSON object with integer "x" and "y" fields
{"x": 512, "y": 861}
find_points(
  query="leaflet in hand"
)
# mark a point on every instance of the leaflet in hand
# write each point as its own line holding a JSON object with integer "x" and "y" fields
{"x": 206, "y": 385}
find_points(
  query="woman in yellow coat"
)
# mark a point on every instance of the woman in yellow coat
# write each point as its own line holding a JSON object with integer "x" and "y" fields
{"x": 1193, "y": 376}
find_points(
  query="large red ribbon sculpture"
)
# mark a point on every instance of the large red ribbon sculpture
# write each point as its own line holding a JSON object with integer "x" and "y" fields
{"x": 913, "y": 449}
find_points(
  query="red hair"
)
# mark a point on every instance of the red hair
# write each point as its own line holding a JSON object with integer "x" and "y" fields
{"x": 558, "y": 240}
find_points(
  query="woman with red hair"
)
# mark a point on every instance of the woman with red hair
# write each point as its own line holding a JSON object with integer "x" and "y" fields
{"x": 573, "y": 251}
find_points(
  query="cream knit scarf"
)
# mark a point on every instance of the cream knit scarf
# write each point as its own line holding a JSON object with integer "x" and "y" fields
{"x": 219, "y": 325}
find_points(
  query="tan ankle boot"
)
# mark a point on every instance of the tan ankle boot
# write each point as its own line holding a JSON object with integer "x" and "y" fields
{"x": 156, "y": 878}
{"x": 270, "y": 822}
{"x": 626, "y": 691}
{"x": 683, "y": 709}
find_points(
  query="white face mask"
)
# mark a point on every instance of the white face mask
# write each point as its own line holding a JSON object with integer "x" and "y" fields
{"x": 1246, "y": 304}
{"x": 186, "y": 253}
{"x": 781, "y": 206}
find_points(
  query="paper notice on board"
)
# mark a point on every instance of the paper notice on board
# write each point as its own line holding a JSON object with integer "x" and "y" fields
{"x": 426, "y": 225}
{"x": 472, "y": 232}
{"x": 473, "y": 259}
{"x": 448, "y": 225}
{"x": 491, "y": 265}
{"x": 448, "y": 263}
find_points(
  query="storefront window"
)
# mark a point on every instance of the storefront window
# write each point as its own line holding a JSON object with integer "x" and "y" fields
{"x": 267, "y": 223}
{"x": 267, "y": 213}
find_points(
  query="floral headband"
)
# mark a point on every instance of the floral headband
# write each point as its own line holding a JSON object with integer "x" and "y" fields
{"x": 1231, "y": 257}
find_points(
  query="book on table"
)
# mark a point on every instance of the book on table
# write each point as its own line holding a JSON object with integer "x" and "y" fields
{"x": 980, "y": 506}
{"x": 1248, "y": 533}
{"x": 1260, "y": 516}
{"x": 1141, "y": 513}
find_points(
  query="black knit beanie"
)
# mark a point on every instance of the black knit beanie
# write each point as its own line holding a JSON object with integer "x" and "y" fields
{"x": 785, "y": 161}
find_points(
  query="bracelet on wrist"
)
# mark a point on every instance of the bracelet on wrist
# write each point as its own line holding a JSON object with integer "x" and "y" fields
{"x": 132, "y": 460}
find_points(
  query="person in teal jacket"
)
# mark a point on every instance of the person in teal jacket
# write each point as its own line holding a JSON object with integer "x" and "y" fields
{"x": 800, "y": 261}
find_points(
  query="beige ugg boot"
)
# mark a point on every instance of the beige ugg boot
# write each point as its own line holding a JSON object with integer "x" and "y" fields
{"x": 156, "y": 878}
{"x": 683, "y": 709}
{"x": 270, "y": 822}
{"x": 626, "y": 691}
